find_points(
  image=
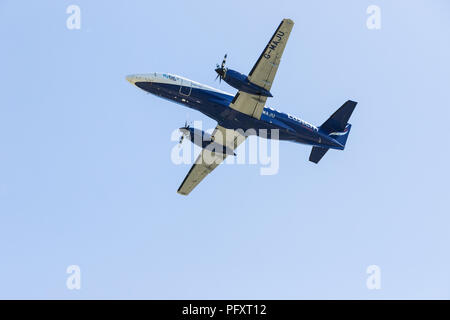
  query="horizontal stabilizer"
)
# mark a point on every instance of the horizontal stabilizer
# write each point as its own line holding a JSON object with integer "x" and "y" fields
{"x": 317, "y": 153}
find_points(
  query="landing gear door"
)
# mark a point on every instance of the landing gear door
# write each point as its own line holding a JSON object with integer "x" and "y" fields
{"x": 185, "y": 88}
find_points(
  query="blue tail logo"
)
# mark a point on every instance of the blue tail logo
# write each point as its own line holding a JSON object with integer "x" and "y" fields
{"x": 341, "y": 136}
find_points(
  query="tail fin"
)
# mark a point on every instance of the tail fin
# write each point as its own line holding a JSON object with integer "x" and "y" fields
{"x": 337, "y": 127}
{"x": 339, "y": 119}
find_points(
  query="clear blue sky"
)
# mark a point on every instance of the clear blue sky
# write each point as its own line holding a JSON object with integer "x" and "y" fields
{"x": 86, "y": 176}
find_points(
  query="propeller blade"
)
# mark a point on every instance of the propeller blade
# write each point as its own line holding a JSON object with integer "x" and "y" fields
{"x": 224, "y": 60}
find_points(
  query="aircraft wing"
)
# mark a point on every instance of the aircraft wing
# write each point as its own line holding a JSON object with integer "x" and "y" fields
{"x": 208, "y": 160}
{"x": 266, "y": 67}
{"x": 250, "y": 104}
{"x": 263, "y": 72}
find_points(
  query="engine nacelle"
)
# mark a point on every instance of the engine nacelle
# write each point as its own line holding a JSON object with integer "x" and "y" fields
{"x": 242, "y": 83}
{"x": 205, "y": 140}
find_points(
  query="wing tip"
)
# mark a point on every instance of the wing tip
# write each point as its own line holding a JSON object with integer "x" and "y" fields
{"x": 183, "y": 193}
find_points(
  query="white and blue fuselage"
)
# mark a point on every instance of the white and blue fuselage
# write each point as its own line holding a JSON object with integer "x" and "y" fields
{"x": 215, "y": 104}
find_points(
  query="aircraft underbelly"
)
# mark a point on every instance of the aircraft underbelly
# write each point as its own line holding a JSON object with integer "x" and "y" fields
{"x": 216, "y": 106}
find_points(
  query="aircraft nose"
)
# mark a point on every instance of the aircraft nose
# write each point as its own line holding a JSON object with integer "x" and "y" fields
{"x": 131, "y": 78}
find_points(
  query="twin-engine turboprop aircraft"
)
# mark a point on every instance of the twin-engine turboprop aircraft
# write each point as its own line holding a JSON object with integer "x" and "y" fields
{"x": 237, "y": 115}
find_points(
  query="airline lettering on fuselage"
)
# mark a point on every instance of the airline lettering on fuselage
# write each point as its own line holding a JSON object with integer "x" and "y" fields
{"x": 304, "y": 123}
{"x": 272, "y": 115}
{"x": 168, "y": 76}
{"x": 273, "y": 45}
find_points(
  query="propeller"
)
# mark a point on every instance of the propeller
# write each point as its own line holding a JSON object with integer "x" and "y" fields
{"x": 221, "y": 70}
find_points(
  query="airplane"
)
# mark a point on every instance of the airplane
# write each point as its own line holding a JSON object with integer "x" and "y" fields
{"x": 237, "y": 114}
